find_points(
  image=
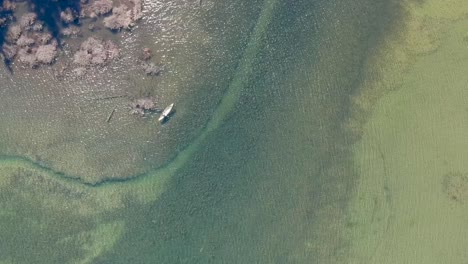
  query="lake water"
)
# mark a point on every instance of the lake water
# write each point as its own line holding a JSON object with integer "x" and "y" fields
{"x": 305, "y": 132}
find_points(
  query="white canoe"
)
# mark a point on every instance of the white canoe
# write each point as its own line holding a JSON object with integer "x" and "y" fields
{"x": 167, "y": 111}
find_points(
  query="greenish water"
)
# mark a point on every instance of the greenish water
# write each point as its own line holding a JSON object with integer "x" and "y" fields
{"x": 266, "y": 171}
{"x": 270, "y": 184}
{"x": 410, "y": 203}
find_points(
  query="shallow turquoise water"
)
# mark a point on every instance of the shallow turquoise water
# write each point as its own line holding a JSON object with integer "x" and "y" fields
{"x": 270, "y": 183}
{"x": 270, "y": 180}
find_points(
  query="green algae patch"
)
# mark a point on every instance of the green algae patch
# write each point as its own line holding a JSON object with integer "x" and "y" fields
{"x": 455, "y": 185}
{"x": 409, "y": 203}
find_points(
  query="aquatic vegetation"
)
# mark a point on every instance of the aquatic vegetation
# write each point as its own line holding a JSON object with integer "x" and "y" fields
{"x": 152, "y": 69}
{"x": 46, "y": 53}
{"x": 455, "y": 185}
{"x": 409, "y": 205}
{"x": 68, "y": 15}
{"x": 71, "y": 31}
{"x": 9, "y": 51}
{"x": 121, "y": 18}
{"x": 143, "y": 105}
{"x": 95, "y": 52}
{"x": 6, "y": 10}
{"x": 30, "y": 46}
{"x": 27, "y": 20}
{"x": 96, "y": 8}
{"x": 146, "y": 54}
{"x": 62, "y": 19}
{"x": 13, "y": 33}
{"x": 25, "y": 40}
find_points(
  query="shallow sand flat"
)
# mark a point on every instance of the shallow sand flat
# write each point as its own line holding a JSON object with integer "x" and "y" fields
{"x": 408, "y": 206}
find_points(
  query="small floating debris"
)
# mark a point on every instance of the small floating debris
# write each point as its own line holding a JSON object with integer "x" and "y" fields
{"x": 109, "y": 117}
{"x": 166, "y": 112}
